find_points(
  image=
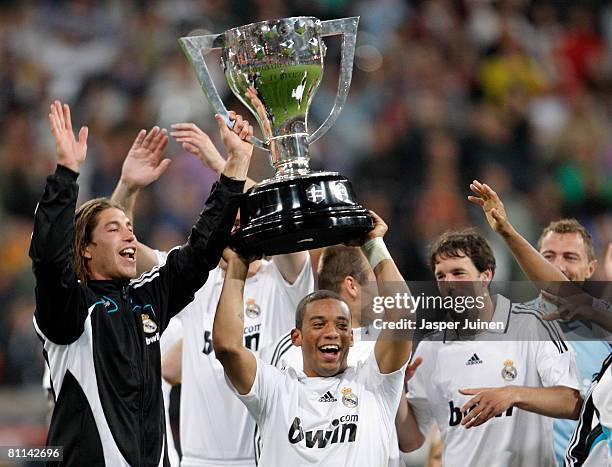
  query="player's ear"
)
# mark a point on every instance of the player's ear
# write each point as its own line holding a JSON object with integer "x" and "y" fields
{"x": 486, "y": 277}
{"x": 351, "y": 286}
{"x": 352, "y": 341}
{"x": 296, "y": 337}
{"x": 591, "y": 268}
{"x": 87, "y": 254}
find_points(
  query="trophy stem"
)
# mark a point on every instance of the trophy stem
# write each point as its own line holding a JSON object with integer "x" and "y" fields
{"x": 289, "y": 154}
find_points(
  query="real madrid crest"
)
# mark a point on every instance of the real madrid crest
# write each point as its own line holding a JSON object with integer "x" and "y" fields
{"x": 251, "y": 308}
{"x": 509, "y": 371}
{"x": 349, "y": 399}
{"x": 148, "y": 325}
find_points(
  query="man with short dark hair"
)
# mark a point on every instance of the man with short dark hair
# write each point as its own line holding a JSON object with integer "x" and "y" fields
{"x": 491, "y": 400}
{"x": 330, "y": 413}
{"x": 100, "y": 328}
{"x": 346, "y": 271}
{"x": 565, "y": 253}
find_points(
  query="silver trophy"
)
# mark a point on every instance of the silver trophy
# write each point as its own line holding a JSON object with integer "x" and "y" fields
{"x": 275, "y": 68}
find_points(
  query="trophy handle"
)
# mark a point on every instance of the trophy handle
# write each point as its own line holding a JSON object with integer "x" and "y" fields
{"x": 348, "y": 28}
{"x": 193, "y": 47}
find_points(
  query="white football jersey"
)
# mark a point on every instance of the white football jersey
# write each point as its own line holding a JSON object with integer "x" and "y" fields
{"x": 216, "y": 429}
{"x": 538, "y": 358}
{"x": 170, "y": 336}
{"x": 284, "y": 354}
{"x": 344, "y": 420}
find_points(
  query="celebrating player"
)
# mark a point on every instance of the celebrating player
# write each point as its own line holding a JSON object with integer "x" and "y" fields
{"x": 100, "y": 330}
{"x": 346, "y": 271}
{"x": 215, "y": 427}
{"x": 329, "y": 413}
{"x": 565, "y": 252}
{"x": 491, "y": 393}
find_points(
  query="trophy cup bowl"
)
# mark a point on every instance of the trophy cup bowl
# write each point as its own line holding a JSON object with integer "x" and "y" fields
{"x": 275, "y": 68}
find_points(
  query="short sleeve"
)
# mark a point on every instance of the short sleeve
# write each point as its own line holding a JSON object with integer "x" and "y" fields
{"x": 387, "y": 386}
{"x": 556, "y": 361}
{"x": 260, "y": 399}
{"x": 418, "y": 393}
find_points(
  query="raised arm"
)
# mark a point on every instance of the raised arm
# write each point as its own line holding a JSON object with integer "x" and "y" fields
{"x": 186, "y": 268}
{"x": 228, "y": 341}
{"x": 198, "y": 143}
{"x": 533, "y": 264}
{"x": 393, "y": 347}
{"x": 409, "y": 434}
{"x": 142, "y": 166}
{"x": 58, "y": 294}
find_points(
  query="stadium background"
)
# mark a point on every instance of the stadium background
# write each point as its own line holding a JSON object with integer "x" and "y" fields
{"x": 515, "y": 93}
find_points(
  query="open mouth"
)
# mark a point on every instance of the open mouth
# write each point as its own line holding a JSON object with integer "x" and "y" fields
{"x": 128, "y": 253}
{"x": 329, "y": 351}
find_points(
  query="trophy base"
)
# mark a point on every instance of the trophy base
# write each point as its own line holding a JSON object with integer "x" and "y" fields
{"x": 292, "y": 214}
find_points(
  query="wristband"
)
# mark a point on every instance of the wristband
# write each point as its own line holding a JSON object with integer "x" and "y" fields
{"x": 375, "y": 251}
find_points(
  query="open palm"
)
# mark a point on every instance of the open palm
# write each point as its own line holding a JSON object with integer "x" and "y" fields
{"x": 492, "y": 206}
{"x": 70, "y": 152}
{"x": 197, "y": 142}
{"x": 144, "y": 164}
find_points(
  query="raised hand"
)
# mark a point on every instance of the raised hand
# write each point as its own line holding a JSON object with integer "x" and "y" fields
{"x": 70, "y": 152}
{"x": 492, "y": 206}
{"x": 379, "y": 230}
{"x": 144, "y": 164}
{"x": 569, "y": 308}
{"x": 237, "y": 141}
{"x": 197, "y": 142}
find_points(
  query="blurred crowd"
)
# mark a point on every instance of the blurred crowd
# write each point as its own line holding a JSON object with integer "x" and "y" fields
{"x": 515, "y": 93}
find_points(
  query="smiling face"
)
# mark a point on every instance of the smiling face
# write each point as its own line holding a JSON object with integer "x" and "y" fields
{"x": 111, "y": 253}
{"x": 568, "y": 253}
{"x": 325, "y": 337}
{"x": 458, "y": 276}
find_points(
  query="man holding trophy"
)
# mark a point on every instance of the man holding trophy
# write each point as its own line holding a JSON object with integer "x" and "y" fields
{"x": 274, "y": 68}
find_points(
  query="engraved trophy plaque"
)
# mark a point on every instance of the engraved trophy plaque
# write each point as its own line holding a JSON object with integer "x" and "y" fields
{"x": 274, "y": 68}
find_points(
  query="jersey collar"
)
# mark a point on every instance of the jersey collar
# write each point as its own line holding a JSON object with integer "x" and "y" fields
{"x": 501, "y": 314}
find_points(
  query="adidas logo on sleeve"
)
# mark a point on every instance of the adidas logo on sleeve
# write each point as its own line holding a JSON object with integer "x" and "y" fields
{"x": 328, "y": 397}
{"x": 474, "y": 360}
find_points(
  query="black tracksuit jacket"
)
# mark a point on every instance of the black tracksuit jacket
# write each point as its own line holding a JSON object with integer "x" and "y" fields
{"x": 101, "y": 339}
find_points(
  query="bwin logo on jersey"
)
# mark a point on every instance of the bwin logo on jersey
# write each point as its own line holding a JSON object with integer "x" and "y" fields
{"x": 251, "y": 336}
{"x": 150, "y": 340}
{"x": 456, "y": 416}
{"x": 342, "y": 430}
